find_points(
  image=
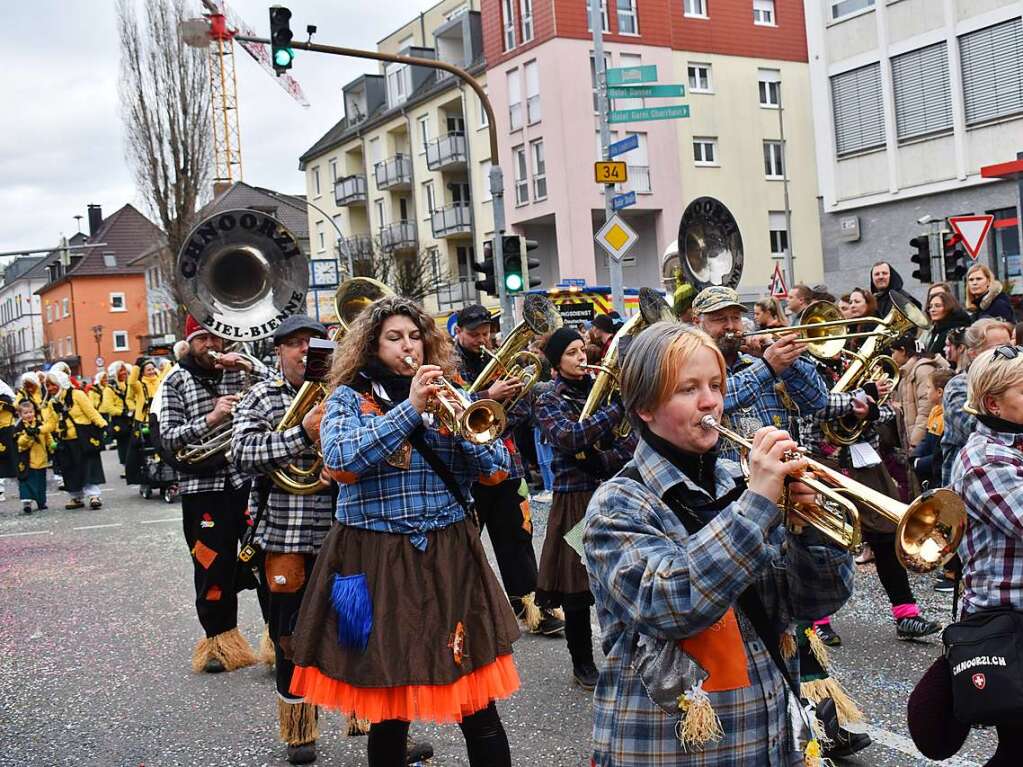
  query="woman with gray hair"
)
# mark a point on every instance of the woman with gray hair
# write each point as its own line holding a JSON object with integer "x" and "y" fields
{"x": 694, "y": 571}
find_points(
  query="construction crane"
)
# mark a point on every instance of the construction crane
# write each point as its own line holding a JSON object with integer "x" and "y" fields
{"x": 227, "y": 145}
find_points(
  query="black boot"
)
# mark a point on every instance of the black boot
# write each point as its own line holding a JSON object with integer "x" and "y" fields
{"x": 579, "y": 636}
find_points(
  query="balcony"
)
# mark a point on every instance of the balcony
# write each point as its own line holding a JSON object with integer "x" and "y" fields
{"x": 639, "y": 179}
{"x": 350, "y": 190}
{"x": 452, "y": 220}
{"x": 394, "y": 172}
{"x": 457, "y": 293}
{"x": 398, "y": 237}
{"x": 359, "y": 245}
{"x": 446, "y": 152}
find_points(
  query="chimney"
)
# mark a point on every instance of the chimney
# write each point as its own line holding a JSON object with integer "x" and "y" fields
{"x": 95, "y": 218}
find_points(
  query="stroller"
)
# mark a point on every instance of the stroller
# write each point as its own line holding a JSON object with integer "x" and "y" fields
{"x": 157, "y": 475}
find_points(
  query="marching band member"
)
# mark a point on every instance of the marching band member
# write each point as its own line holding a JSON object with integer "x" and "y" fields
{"x": 79, "y": 433}
{"x": 501, "y": 508}
{"x": 33, "y": 435}
{"x": 585, "y": 453}
{"x": 692, "y": 565}
{"x": 8, "y": 441}
{"x": 95, "y": 389}
{"x": 114, "y": 407}
{"x": 291, "y": 527}
{"x": 29, "y": 388}
{"x": 403, "y": 618}
{"x": 762, "y": 391}
{"x": 142, "y": 384}
{"x": 198, "y": 396}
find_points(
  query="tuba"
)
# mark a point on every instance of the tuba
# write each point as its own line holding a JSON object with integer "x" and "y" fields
{"x": 350, "y": 299}
{"x": 872, "y": 363}
{"x": 652, "y": 308}
{"x": 513, "y": 359}
{"x": 239, "y": 273}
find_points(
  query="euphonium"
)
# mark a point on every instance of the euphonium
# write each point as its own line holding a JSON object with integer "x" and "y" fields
{"x": 928, "y": 530}
{"x": 481, "y": 421}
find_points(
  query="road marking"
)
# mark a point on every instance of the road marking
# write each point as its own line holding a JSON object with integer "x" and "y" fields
{"x": 32, "y": 532}
{"x": 154, "y": 521}
{"x": 97, "y": 527}
{"x": 904, "y": 745}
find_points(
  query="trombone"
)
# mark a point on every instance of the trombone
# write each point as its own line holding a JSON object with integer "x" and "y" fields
{"x": 481, "y": 421}
{"x": 928, "y": 530}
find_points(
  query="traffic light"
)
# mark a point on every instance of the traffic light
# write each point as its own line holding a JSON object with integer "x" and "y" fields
{"x": 922, "y": 258}
{"x": 955, "y": 260}
{"x": 488, "y": 284}
{"x": 514, "y": 280}
{"x": 531, "y": 264}
{"x": 281, "y": 52}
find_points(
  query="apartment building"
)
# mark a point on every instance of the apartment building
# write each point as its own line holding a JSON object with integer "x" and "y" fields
{"x": 911, "y": 99}
{"x": 404, "y": 173}
{"x": 739, "y": 60}
{"x": 21, "y": 324}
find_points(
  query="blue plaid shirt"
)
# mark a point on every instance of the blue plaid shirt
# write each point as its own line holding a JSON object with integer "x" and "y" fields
{"x": 752, "y": 396}
{"x": 357, "y": 439}
{"x": 959, "y": 424}
{"x": 649, "y": 576}
{"x": 988, "y": 476}
{"x": 557, "y": 412}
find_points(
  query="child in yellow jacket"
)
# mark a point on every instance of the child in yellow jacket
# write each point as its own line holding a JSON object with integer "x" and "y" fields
{"x": 33, "y": 436}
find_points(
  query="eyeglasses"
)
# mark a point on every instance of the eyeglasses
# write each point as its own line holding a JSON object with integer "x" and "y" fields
{"x": 1008, "y": 352}
{"x": 295, "y": 343}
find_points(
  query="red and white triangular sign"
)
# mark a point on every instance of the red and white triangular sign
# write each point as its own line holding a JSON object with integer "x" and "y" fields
{"x": 778, "y": 289}
{"x": 972, "y": 230}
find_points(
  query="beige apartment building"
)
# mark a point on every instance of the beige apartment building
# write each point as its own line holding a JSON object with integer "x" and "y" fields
{"x": 405, "y": 171}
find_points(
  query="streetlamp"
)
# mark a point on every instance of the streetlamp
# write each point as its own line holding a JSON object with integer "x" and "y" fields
{"x": 97, "y": 333}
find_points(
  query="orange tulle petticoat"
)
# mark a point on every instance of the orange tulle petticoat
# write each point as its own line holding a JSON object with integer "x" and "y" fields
{"x": 443, "y": 703}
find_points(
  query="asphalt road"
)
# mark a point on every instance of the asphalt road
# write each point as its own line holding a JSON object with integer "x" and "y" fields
{"x": 97, "y": 626}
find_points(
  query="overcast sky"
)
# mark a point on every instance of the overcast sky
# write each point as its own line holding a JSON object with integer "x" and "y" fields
{"x": 61, "y": 146}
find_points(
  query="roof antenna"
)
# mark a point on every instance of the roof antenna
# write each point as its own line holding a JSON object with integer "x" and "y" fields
{"x": 78, "y": 218}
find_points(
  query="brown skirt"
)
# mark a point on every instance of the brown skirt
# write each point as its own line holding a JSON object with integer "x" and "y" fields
{"x": 438, "y": 615}
{"x": 562, "y": 580}
{"x": 876, "y": 478}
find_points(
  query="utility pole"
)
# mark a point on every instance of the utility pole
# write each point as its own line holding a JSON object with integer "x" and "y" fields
{"x": 614, "y": 266}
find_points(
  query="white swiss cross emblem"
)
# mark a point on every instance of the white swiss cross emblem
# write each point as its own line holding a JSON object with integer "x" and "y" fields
{"x": 979, "y": 681}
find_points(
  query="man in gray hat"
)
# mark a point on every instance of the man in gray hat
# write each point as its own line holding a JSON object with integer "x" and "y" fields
{"x": 762, "y": 391}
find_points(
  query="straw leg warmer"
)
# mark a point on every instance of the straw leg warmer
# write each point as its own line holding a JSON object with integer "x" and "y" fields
{"x": 230, "y": 648}
{"x": 298, "y": 722}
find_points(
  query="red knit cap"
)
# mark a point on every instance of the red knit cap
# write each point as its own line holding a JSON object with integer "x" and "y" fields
{"x": 193, "y": 328}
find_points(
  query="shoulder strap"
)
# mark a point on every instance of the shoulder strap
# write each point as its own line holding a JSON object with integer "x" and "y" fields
{"x": 418, "y": 440}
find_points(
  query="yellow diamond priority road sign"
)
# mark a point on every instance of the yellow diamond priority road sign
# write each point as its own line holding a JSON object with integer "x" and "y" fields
{"x": 616, "y": 237}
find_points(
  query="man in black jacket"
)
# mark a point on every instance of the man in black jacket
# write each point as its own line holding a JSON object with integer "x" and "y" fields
{"x": 883, "y": 280}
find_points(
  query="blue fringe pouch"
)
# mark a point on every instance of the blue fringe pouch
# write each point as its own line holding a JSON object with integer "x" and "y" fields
{"x": 350, "y": 597}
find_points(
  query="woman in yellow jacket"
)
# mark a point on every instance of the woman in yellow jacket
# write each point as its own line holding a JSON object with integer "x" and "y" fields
{"x": 79, "y": 430}
{"x": 142, "y": 383}
{"x": 29, "y": 388}
{"x": 8, "y": 443}
{"x": 33, "y": 436}
{"x": 114, "y": 406}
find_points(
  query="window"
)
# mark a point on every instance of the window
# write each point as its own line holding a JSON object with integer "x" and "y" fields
{"x": 117, "y": 302}
{"x": 120, "y": 340}
{"x": 840, "y": 8}
{"x": 66, "y": 303}
{"x": 378, "y": 205}
{"x": 532, "y": 71}
{"x": 769, "y": 84}
{"x": 337, "y": 233}
{"x": 485, "y": 167}
{"x": 484, "y": 123}
{"x": 49, "y": 312}
{"x": 705, "y": 151}
{"x": 696, "y": 8}
{"x": 763, "y": 13}
{"x": 779, "y": 233}
{"x": 539, "y": 170}
{"x": 514, "y": 99}
{"x": 321, "y": 241}
{"x": 508, "y": 11}
{"x": 593, "y": 77}
{"x": 110, "y": 260}
{"x": 424, "y": 130}
{"x": 699, "y": 78}
{"x": 521, "y": 179}
{"x": 526, "y": 14}
{"x": 992, "y": 62}
{"x": 629, "y": 60}
{"x": 923, "y": 96}
{"x": 603, "y": 16}
{"x": 627, "y": 17}
{"x": 774, "y": 165}
{"x": 316, "y": 182}
{"x": 69, "y": 347}
{"x": 333, "y": 173}
{"x": 638, "y": 160}
{"x": 399, "y": 83}
{"x": 858, "y": 110}
{"x": 375, "y": 151}
{"x": 429, "y": 204}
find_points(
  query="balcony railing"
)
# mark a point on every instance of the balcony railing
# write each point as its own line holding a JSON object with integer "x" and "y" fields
{"x": 399, "y": 236}
{"x": 457, "y": 293}
{"x": 451, "y": 220}
{"x": 350, "y": 190}
{"x": 446, "y": 152}
{"x": 394, "y": 172}
{"x": 639, "y": 179}
{"x": 359, "y": 245}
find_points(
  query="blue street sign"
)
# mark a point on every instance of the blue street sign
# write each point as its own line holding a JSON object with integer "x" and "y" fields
{"x": 573, "y": 282}
{"x": 620, "y": 201}
{"x": 627, "y": 144}
{"x": 632, "y": 75}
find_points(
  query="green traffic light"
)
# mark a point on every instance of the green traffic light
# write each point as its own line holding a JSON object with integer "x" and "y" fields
{"x": 283, "y": 57}
{"x": 513, "y": 281}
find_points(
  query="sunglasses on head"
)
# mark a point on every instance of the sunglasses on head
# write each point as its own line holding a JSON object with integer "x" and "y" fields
{"x": 1008, "y": 352}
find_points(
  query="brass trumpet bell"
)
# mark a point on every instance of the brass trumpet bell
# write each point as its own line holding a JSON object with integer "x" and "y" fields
{"x": 481, "y": 421}
{"x": 930, "y": 529}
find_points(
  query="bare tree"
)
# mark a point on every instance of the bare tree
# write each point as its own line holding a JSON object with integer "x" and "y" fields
{"x": 413, "y": 275}
{"x": 165, "y": 106}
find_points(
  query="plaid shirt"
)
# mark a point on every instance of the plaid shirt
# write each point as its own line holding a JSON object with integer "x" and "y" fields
{"x": 752, "y": 398}
{"x": 557, "y": 411}
{"x": 988, "y": 476}
{"x": 959, "y": 424}
{"x": 649, "y": 577}
{"x": 290, "y": 523}
{"x": 184, "y": 404}
{"x": 838, "y": 404}
{"x": 358, "y": 439}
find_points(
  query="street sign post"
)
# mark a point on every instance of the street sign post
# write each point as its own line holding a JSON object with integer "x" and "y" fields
{"x": 627, "y": 144}
{"x": 610, "y": 172}
{"x": 629, "y": 75}
{"x": 620, "y": 201}
{"x": 616, "y": 237}
{"x": 649, "y": 113}
{"x": 972, "y": 230}
{"x": 646, "y": 91}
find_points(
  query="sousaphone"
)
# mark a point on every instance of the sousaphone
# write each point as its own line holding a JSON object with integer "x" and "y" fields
{"x": 709, "y": 247}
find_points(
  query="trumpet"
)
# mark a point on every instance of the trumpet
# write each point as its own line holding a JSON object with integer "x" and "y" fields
{"x": 481, "y": 421}
{"x": 928, "y": 530}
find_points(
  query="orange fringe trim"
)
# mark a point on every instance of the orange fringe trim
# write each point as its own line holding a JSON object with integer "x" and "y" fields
{"x": 442, "y": 703}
